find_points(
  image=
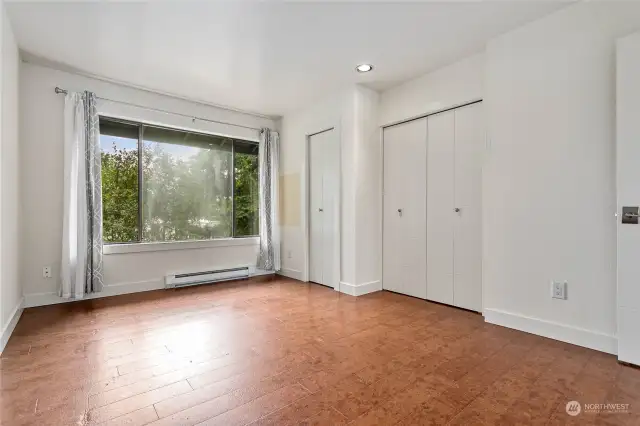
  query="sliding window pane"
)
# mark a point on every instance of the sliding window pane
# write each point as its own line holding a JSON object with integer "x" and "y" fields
{"x": 246, "y": 189}
{"x": 119, "y": 145}
{"x": 186, "y": 185}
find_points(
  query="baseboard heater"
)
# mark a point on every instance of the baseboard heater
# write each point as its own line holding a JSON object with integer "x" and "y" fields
{"x": 206, "y": 277}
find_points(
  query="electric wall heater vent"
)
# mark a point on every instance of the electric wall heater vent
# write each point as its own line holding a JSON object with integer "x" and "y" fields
{"x": 206, "y": 277}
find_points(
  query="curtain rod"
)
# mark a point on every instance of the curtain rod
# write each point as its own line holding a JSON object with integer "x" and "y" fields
{"x": 59, "y": 90}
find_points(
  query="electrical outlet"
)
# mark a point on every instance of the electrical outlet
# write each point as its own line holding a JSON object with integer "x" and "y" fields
{"x": 559, "y": 290}
{"x": 46, "y": 272}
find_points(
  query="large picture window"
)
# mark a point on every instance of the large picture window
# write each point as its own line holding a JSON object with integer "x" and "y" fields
{"x": 161, "y": 184}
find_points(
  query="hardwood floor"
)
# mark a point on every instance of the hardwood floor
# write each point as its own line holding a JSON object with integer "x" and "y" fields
{"x": 283, "y": 352}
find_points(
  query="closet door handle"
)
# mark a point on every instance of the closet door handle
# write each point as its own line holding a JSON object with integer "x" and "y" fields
{"x": 399, "y": 212}
{"x": 320, "y": 210}
{"x": 457, "y": 210}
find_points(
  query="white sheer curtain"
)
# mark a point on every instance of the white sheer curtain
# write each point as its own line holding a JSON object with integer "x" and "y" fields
{"x": 81, "y": 267}
{"x": 269, "y": 164}
{"x": 74, "y": 249}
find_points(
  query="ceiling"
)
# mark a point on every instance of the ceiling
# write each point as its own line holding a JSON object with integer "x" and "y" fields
{"x": 266, "y": 57}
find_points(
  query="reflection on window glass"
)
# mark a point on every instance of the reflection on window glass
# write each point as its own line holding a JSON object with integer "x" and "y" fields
{"x": 246, "y": 189}
{"x": 186, "y": 184}
{"x": 119, "y": 144}
{"x": 193, "y": 186}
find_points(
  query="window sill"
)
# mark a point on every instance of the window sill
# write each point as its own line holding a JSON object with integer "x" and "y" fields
{"x": 109, "y": 249}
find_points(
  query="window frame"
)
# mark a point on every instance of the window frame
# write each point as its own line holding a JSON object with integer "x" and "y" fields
{"x": 219, "y": 242}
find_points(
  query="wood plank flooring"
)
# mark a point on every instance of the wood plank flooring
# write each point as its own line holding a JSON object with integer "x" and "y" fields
{"x": 281, "y": 352}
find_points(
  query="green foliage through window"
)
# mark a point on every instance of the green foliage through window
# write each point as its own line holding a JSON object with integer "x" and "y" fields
{"x": 246, "y": 194}
{"x": 176, "y": 185}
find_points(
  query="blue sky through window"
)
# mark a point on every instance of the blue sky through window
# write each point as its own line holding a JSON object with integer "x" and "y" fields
{"x": 107, "y": 143}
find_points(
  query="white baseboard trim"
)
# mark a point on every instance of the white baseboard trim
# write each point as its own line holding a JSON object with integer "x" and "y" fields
{"x": 43, "y": 299}
{"x": 360, "y": 289}
{"x": 11, "y": 325}
{"x": 290, "y": 273}
{"x": 260, "y": 273}
{"x": 553, "y": 330}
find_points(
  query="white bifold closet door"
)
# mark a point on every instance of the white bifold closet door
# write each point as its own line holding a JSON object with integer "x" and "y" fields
{"x": 456, "y": 143}
{"x": 324, "y": 190}
{"x": 440, "y": 207}
{"x": 405, "y": 203}
{"x": 432, "y": 228}
{"x": 470, "y": 145}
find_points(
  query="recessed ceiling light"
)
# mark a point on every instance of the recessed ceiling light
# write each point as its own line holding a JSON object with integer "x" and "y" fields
{"x": 364, "y": 67}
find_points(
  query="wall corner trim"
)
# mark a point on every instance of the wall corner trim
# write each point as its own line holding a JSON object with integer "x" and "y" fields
{"x": 290, "y": 273}
{"x": 553, "y": 330}
{"x": 360, "y": 289}
{"x": 11, "y": 325}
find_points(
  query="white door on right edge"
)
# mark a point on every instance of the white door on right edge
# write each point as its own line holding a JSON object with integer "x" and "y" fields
{"x": 628, "y": 191}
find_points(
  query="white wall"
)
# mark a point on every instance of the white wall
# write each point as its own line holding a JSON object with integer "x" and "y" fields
{"x": 10, "y": 288}
{"x": 41, "y": 137}
{"x": 353, "y": 111}
{"x": 549, "y": 183}
{"x": 456, "y": 84}
{"x": 333, "y": 111}
{"x": 367, "y": 176}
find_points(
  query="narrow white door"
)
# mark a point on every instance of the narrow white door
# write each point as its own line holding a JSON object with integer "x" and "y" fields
{"x": 628, "y": 191}
{"x": 324, "y": 190}
{"x": 440, "y": 205}
{"x": 467, "y": 230}
{"x": 404, "y": 227}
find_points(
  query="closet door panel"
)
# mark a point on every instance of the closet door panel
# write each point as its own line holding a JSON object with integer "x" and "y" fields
{"x": 440, "y": 205}
{"x": 393, "y": 234}
{"x": 467, "y": 233}
{"x": 330, "y": 205}
{"x": 404, "y": 225}
{"x": 316, "y": 220}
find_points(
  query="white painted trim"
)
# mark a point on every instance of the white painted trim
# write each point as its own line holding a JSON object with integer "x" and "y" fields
{"x": 381, "y": 205}
{"x": 360, "y": 289}
{"x": 11, "y": 325}
{"x": 433, "y": 111}
{"x": 257, "y": 272}
{"x": 43, "y": 299}
{"x": 109, "y": 249}
{"x": 337, "y": 250}
{"x": 565, "y": 333}
{"x": 291, "y": 273}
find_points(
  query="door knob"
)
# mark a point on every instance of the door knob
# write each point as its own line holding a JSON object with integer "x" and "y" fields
{"x": 457, "y": 210}
{"x": 320, "y": 210}
{"x": 399, "y": 212}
